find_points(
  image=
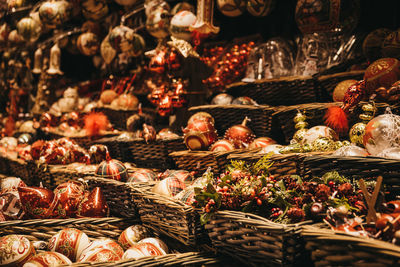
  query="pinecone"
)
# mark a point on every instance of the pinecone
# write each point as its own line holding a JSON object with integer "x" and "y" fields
{"x": 322, "y": 192}
{"x": 345, "y": 189}
{"x": 296, "y": 215}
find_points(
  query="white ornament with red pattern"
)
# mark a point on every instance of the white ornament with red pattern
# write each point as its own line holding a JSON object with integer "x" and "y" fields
{"x": 132, "y": 235}
{"x": 262, "y": 142}
{"x": 222, "y": 146}
{"x": 142, "y": 250}
{"x": 157, "y": 242}
{"x": 47, "y": 259}
{"x": 69, "y": 242}
{"x": 15, "y": 250}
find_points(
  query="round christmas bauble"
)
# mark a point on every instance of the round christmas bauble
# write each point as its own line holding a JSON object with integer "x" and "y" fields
{"x": 69, "y": 195}
{"x": 390, "y": 153}
{"x": 244, "y": 100}
{"x": 125, "y": 101}
{"x": 108, "y": 96}
{"x": 201, "y": 116}
{"x": 182, "y": 175}
{"x": 94, "y": 9}
{"x": 341, "y": 89}
{"x": 107, "y": 52}
{"x": 138, "y": 251}
{"x": 240, "y": 135}
{"x": 157, "y": 242}
{"x": 260, "y": 8}
{"x": 180, "y": 24}
{"x": 222, "y": 146}
{"x": 94, "y": 206}
{"x": 88, "y": 44}
{"x": 142, "y": 176}
{"x": 27, "y": 127}
{"x": 222, "y": 99}
{"x": 381, "y": 133}
{"x": 102, "y": 250}
{"x": 231, "y": 8}
{"x": 391, "y": 45}
{"x": 327, "y": 16}
{"x": 69, "y": 242}
{"x": 181, "y": 7}
{"x": 261, "y": 142}
{"x": 55, "y": 13}
{"x": 157, "y": 23}
{"x": 126, "y": 2}
{"x": 29, "y": 29}
{"x": 165, "y": 134}
{"x": 383, "y": 72}
{"x": 37, "y": 201}
{"x": 372, "y": 45}
{"x": 356, "y": 133}
{"x": 169, "y": 187}
{"x": 323, "y": 144}
{"x": 132, "y": 235}
{"x": 47, "y": 259}
{"x": 195, "y": 140}
{"x": 124, "y": 39}
{"x": 25, "y": 139}
{"x": 319, "y": 131}
{"x": 112, "y": 169}
{"x": 351, "y": 151}
{"x": 15, "y": 250}
{"x": 98, "y": 153}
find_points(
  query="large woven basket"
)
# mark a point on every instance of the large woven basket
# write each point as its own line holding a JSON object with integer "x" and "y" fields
{"x": 357, "y": 167}
{"x": 281, "y": 91}
{"x": 200, "y": 161}
{"x": 226, "y": 116}
{"x": 330, "y": 248}
{"x": 256, "y": 241}
{"x": 39, "y": 229}
{"x": 26, "y": 170}
{"x": 170, "y": 217}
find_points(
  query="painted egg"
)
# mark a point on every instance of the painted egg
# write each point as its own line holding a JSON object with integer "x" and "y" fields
{"x": 15, "y": 250}
{"x": 69, "y": 196}
{"x": 169, "y": 187}
{"x": 180, "y": 174}
{"x": 240, "y": 135}
{"x": 157, "y": 242}
{"x": 341, "y": 89}
{"x": 180, "y": 24}
{"x": 138, "y": 251}
{"x": 55, "y": 13}
{"x": 69, "y": 242}
{"x": 102, "y": 250}
{"x": 112, "y": 169}
{"x": 47, "y": 259}
{"x": 132, "y": 235}
{"x": 37, "y": 202}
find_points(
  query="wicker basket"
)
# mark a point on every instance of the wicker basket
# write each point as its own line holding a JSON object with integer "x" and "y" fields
{"x": 83, "y": 141}
{"x": 327, "y": 83}
{"x": 39, "y": 229}
{"x": 330, "y": 248}
{"x": 226, "y": 116}
{"x": 26, "y": 170}
{"x": 118, "y": 149}
{"x": 282, "y": 91}
{"x": 119, "y": 117}
{"x": 170, "y": 217}
{"x": 257, "y": 241}
{"x": 200, "y": 161}
{"x": 357, "y": 167}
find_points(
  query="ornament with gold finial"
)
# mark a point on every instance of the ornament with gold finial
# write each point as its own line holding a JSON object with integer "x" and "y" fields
{"x": 301, "y": 127}
{"x": 356, "y": 132}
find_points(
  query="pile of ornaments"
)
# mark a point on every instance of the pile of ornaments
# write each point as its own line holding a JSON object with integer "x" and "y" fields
{"x": 125, "y": 101}
{"x": 68, "y": 200}
{"x": 229, "y": 66}
{"x": 200, "y": 134}
{"x": 226, "y": 99}
{"x": 73, "y": 245}
{"x": 71, "y": 102}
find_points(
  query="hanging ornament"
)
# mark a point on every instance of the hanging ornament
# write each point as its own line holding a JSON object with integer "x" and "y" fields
{"x": 356, "y": 132}
{"x": 157, "y": 23}
{"x": 301, "y": 127}
{"x": 204, "y": 23}
{"x": 29, "y": 29}
{"x": 46, "y": 259}
{"x": 55, "y": 61}
{"x": 88, "y": 44}
{"x": 180, "y": 24}
{"x": 260, "y": 8}
{"x": 37, "y": 61}
{"x": 181, "y": 7}
{"x": 201, "y": 116}
{"x": 55, "y": 13}
{"x": 231, "y": 8}
{"x": 94, "y": 9}
{"x": 107, "y": 52}
{"x": 222, "y": 146}
{"x": 124, "y": 39}
{"x": 112, "y": 169}
{"x": 70, "y": 242}
{"x": 132, "y": 235}
{"x": 240, "y": 135}
{"x": 15, "y": 250}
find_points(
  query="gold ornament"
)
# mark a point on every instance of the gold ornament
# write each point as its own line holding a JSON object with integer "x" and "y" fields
{"x": 299, "y": 135}
{"x": 183, "y": 47}
{"x": 323, "y": 144}
{"x": 356, "y": 133}
{"x": 300, "y": 126}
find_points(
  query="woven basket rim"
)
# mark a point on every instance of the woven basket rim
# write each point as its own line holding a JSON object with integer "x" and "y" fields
{"x": 49, "y": 222}
{"x": 102, "y": 135}
{"x": 108, "y": 107}
{"x": 281, "y": 79}
{"x": 233, "y": 106}
{"x": 366, "y": 159}
{"x": 339, "y": 74}
{"x": 204, "y": 153}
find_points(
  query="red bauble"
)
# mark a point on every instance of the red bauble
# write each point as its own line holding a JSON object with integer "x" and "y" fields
{"x": 37, "y": 202}
{"x": 112, "y": 169}
{"x": 383, "y": 72}
{"x": 222, "y": 146}
{"x": 201, "y": 116}
{"x": 240, "y": 135}
{"x": 69, "y": 195}
{"x": 95, "y": 205}
{"x": 262, "y": 142}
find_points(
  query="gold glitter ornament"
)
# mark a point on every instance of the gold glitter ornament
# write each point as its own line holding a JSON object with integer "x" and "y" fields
{"x": 299, "y": 135}
{"x": 323, "y": 144}
{"x": 356, "y": 133}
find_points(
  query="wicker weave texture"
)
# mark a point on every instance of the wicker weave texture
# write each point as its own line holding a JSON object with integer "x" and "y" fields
{"x": 118, "y": 118}
{"x": 226, "y": 116}
{"x": 255, "y": 240}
